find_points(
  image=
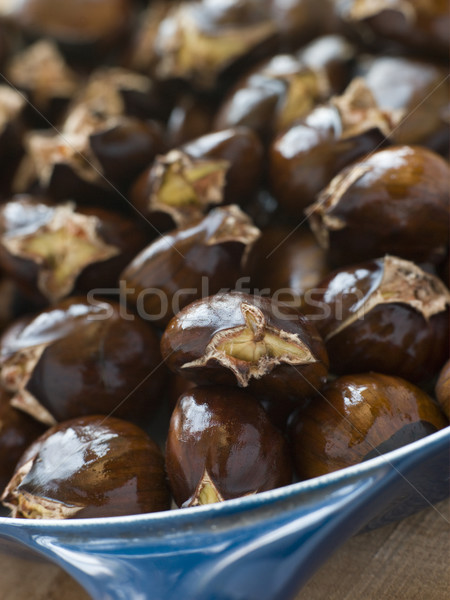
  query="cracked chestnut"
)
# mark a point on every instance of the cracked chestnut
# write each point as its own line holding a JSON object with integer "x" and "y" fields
{"x": 236, "y": 338}
{"x": 358, "y": 417}
{"x": 221, "y": 445}
{"x": 88, "y": 467}
{"x": 394, "y": 201}
{"x": 385, "y": 315}
{"x": 79, "y": 358}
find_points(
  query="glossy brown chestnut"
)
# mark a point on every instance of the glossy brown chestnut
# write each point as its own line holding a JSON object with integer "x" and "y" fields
{"x": 394, "y": 201}
{"x": 189, "y": 263}
{"x": 190, "y": 118}
{"x": 52, "y": 250}
{"x": 416, "y": 90}
{"x": 236, "y": 338}
{"x": 418, "y": 26}
{"x": 443, "y": 389}
{"x": 303, "y": 159}
{"x": 215, "y": 168}
{"x": 67, "y": 23}
{"x": 385, "y": 315}
{"x": 221, "y": 445}
{"x": 286, "y": 263}
{"x": 358, "y": 417}
{"x": 92, "y": 466}
{"x": 17, "y": 431}
{"x": 79, "y": 358}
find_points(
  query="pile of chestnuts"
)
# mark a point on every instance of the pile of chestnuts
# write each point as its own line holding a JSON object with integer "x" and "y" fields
{"x": 224, "y": 241}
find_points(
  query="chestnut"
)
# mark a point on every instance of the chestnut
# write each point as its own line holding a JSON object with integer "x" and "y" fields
{"x": 52, "y": 250}
{"x": 189, "y": 262}
{"x": 236, "y": 338}
{"x": 395, "y": 201}
{"x": 414, "y": 88}
{"x": 443, "y": 389}
{"x": 304, "y": 158}
{"x": 217, "y": 168}
{"x": 286, "y": 263}
{"x": 17, "y": 431}
{"x": 358, "y": 417}
{"x": 221, "y": 445}
{"x": 67, "y": 23}
{"x": 12, "y": 105}
{"x": 190, "y": 118}
{"x": 385, "y": 315}
{"x": 82, "y": 357}
{"x": 41, "y": 72}
{"x": 88, "y": 467}
{"x": 273, "y": 95}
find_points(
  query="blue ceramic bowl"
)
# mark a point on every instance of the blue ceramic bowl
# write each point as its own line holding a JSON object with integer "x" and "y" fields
{"x": 261, "y": 547}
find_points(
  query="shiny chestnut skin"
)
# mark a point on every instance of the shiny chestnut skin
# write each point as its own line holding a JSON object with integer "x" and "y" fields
{"x": 415, "y": 88}
{"x": 190, "y": 118}
{"x": 417, "y": 26}
{"x": 221, "y": 445}
{"x": 66, "y": 23}
{"x": 286, "y": 263}
{"x": 88, "y": 467}
{"x": 79, "y": 358}
{"x": 443, "y": 388}
{"x": 385, "y": 315}
{"x": 304, "y": 158}
{"x": 233, "y": 158}
{"x": 255, "y": 342}
{"x": 189, "y": 262}
{"x": 53, "y": 250}
{"x": 394, "y": 201}
{"x": 358, "y": 417}
{"x": 17, "y": 432}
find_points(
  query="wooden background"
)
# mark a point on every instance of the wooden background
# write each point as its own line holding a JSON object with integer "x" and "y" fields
{"x": 409, "y": 560}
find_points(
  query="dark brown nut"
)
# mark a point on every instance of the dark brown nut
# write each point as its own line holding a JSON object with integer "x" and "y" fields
{"x": 221, "y": 445}
{"x": 178, "y": 188}
{"x": 12, "y": 105}
{"x": 83, "y": 28}
{"x": 394, "y": 201}
{"x": 189, "y": 263}
{"x": 273, "y": 95}
{"x": 416, "y": 25}
{"x": 385, "y": 315}
{"x": 303, "y": 159}
{"x": 88, "y": 467}
{"x": 358, "y": 417}
{"x": 286, "y": 263}
{"x": 333, "y": 54}
{"x": 416, "y": 89}
{"x": 41, "y": 72}
{"x": 79, "y": 358}
{"x": 235, "y": 338}
{"x": 17, "y": 431}
{"x": 197, "y": 41}
{"x": 443, "y": 389}
{"x": 190, "y": 118}
{"x": 54, "y": 250}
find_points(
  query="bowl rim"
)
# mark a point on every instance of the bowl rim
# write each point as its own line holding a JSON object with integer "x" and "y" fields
{"x": 180, "y": 516}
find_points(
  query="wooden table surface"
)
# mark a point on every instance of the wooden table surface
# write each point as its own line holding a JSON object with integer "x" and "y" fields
{"x": 409, "y": 560}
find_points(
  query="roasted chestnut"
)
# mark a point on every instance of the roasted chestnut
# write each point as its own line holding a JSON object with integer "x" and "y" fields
{"x": 54, "y": 249}
{"x": 79, "y": 358}
{"x": 443, "y": 389}
{"x": 215, "y": 168}
{"x": 286, "y": 263}
{"x": 189, "y": 263}
{"x": 357, "y": 417}
{"x": 385, "y": 315}
{"x": 236, "y": 338}
{"x": 190, "y": 118}
{"x": 92, "y": 466}
{"x": 17, "y": 431}
{"x": 304, "y": 158}
{"x": 221, "y": 445}
{"x": 394, "y": 201}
